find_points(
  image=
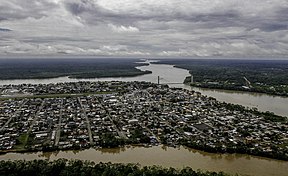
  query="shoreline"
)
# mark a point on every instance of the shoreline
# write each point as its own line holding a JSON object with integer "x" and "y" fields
{"x": 101, "y": 149}
{"x": 201, "y": 150}
{"x": 79, "y": 77}
{"x": 223, "y": 88}
{"x": 237, "y": 90}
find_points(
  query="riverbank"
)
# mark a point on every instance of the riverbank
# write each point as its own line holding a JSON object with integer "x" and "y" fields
{"x": 136, "y": 113}
{"x": 13, "y": 69}
{"x": 261, "y": 76}
{"x": 167, "y": 157}
{"x": 187, "y": 144}
{"x": 174, "y": 157}
{"x": 263, "y": 102}
{"x": 77, "y": 167}
{"x": 122, "y": 74}
{"x": 222, "y": 86}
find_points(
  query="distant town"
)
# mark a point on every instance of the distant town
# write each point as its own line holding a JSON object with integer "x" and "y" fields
{"x": 68, "y": 116}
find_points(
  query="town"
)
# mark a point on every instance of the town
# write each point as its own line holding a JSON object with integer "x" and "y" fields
{"x": 68, "y": 116}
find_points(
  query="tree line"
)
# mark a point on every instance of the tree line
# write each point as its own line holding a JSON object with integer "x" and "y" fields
{"x": 64, "y": 167}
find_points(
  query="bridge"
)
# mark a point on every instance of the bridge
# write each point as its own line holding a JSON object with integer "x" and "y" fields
{"x": 168, "y": 82}
{"x": 172, "y": 83}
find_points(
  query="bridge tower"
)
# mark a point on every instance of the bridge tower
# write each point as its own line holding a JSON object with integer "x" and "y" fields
{"x": 192, "y": 79}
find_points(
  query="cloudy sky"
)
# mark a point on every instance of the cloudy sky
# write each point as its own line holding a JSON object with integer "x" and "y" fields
{"x": 176, "y": 28}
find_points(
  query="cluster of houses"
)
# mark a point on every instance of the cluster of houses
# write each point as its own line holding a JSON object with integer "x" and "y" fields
{"x": 135, "y": 112}
{"x": 66, "y": 88}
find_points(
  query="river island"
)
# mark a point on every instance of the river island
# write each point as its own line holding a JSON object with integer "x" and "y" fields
{"x": 79, "y": 115}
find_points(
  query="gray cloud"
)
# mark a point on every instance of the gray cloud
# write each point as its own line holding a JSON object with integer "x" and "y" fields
{"x": 5, "y": 30}
{"x": 145, "y": 27}
{"x": 16, "y": 9}
{"x": 79, "y": 7}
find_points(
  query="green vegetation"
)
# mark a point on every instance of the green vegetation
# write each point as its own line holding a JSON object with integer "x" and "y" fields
{"x": 139, "y": 137}
{"x": 264, "y": 76}
{"x": 269, "y": 116}
{"x": 74, "y": 68}
{"x": 21, "y": 141}
{"x": 63, "y": 167}
{"x": 109, "y": 140}
{"x": 242, "y": 148}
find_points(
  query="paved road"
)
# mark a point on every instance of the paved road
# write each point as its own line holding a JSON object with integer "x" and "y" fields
{"x": 58, "y": 131}
{"x": 36, "y": 116}
{"x": 120, "y": 133}
{"x": 13, "y": 115}
{"x": 87, "y": 121}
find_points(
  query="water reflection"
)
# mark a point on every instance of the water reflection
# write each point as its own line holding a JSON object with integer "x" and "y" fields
{"x": 47, "y": 155}
{"x": 174, "y": 157}
{"x": 164, "y": 147}
{"x": 168, "y": 157}
{"x": 262, "y": 102}
{"x": 111, "y": 150}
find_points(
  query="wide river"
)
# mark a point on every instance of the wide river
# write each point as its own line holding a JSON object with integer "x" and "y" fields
{"x": 169, "y": 74}
{"x": 175, "y": 157}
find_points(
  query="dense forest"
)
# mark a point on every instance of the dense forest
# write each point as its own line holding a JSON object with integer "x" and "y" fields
{"x": 74, "y": 68}
{"x": 64, "y": 167}
{"x": 266, "y": 76}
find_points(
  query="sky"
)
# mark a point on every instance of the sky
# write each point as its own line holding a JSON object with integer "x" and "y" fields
{"x": 145, "y": 28}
